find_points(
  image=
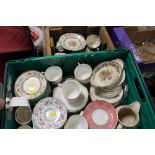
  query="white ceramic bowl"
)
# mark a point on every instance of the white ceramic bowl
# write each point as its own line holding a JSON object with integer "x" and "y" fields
{"x": 83, "y": 73}
{"x": 54, "y": 74}
{"x": 76, "y": 122}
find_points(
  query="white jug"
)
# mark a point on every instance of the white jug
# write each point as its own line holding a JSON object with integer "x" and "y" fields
{"x": 128, "y": 115}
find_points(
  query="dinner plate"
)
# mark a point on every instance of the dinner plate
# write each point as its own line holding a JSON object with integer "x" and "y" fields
{"x": 77, "y": 105}
{"x": 49, "y": 113}
{"x": 106, "y": 74}
{"x": 72, "y": 41}
{"x": 100, "y": 115}
{"x": 31, "y": 84}
{"x": 114, "y": 101}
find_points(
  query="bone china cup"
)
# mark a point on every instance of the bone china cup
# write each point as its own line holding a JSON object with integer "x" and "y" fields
{"x": 76, "y": 122}
{"x": 83, "y": 73}
{"x": 23, "y": 115}
{"x": 71, "y": 90}
{"x": 54, "y": 74}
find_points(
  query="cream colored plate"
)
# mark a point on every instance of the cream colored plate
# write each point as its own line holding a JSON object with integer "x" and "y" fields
{"x": 106, "y": 74}
{"x": 72, "y": 41}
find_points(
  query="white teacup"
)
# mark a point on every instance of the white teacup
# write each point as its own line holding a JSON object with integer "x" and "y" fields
{"x": 25, "y": 127}
{"x": 23, "y": 115}
{"x": 93, "y": 41}
{"x": 128, "y": 115}
{"x": 71, "y": 90}
{"x": 83, "y": 73}
{"x": 54, "y": 74}
{"x": 76, "y": 122}
{"x": 59, "y": 47}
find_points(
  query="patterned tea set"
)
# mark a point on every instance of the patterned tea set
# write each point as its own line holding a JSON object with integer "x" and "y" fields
{"x": 76, "y": 42}
{"x": 91, "y": 99}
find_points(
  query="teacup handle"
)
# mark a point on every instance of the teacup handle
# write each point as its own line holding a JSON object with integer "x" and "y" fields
{"x": 43, "y": 73}
{"x": 135, "y": 106}
{"x": 119, "y": 126}
{"x": 81, "y": 113}
{"x": 7, "y": 100}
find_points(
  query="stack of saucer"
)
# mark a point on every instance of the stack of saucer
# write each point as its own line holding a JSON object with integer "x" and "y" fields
{"x": 32, "y": 85}
{"x": 49, "y": 113}
{"x": 107, "y": 80}
{"x": 73, "y": 94}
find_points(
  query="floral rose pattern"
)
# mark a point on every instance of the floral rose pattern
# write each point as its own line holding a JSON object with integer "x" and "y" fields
{"x": 106, "y": 75}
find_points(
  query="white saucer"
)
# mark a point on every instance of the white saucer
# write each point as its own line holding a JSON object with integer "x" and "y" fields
{"x": 114, "y": 101}
{"x": 109, "y": 94}
{"x": 72, "y": 107}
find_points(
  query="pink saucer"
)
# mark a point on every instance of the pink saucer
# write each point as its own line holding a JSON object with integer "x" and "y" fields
{"x": 100, "y": 115}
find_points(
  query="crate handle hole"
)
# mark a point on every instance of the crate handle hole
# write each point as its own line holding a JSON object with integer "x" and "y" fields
{"x": 139, "y": 89}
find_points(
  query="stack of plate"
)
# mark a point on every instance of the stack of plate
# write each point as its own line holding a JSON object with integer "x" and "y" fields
{"x": 107, "y": 80}
{"x": 32, "y": 85}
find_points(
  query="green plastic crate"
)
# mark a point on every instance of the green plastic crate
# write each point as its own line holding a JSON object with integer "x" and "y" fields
{"x": 68, "y": 64}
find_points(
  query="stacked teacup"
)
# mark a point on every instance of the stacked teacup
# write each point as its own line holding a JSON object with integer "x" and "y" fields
{"x": 107, "y": 80}
{"x": 73, "y": 94}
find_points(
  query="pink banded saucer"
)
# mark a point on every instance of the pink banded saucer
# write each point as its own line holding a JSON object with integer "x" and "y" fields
{"x": 100, "y": 115}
